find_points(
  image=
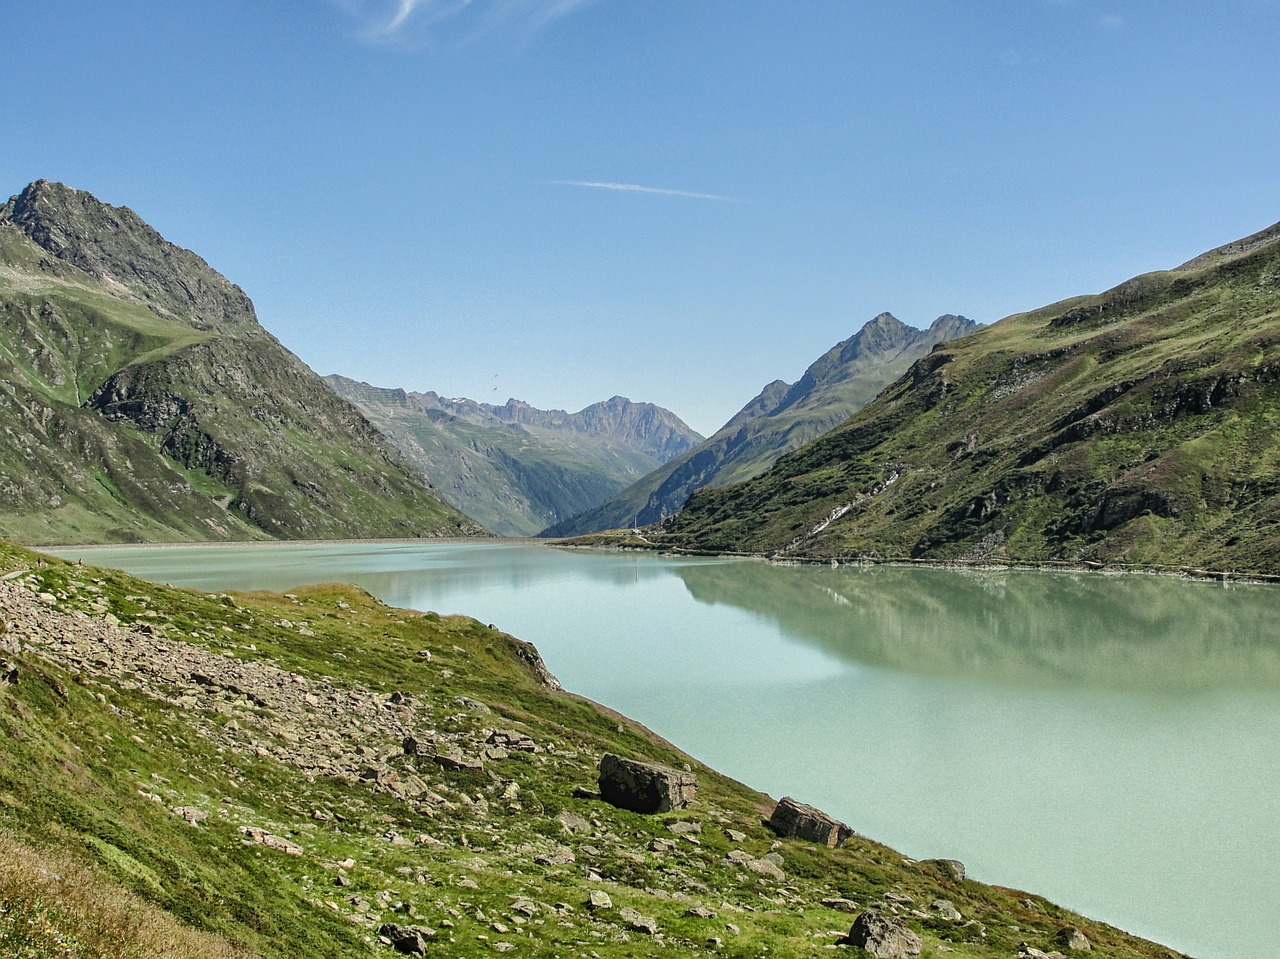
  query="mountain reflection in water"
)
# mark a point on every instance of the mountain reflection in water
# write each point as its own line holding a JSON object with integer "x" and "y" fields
{"x": 1020, "y": 627}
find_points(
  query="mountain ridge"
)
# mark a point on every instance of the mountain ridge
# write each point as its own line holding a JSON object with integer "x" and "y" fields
{"x": 143, "y": 400}
{"x": 780, "y": 418}
{"x": 514, "y": 467}
{"x": 1132, "y": 427}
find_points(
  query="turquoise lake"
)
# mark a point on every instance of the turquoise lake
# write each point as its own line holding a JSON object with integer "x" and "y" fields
{"x": 1110, "y": 742}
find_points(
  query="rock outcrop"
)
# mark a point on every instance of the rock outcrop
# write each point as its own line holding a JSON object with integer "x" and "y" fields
{"x": 140, "y": 399}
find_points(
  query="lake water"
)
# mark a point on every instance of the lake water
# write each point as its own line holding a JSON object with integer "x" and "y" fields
{"x": 1110, "y": 742}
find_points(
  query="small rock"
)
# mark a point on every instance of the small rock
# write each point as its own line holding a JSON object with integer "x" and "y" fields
{"x": 559, "y": 856}
{"x": 191, "y": 814}
{"x": 599, "y": 899}
{"x": 946, "y": 909}
{"x": 763, "y": 867}
{"x": 571, "y": 822}
{"x": 1074, "y": 939}
{"x": 840, "y": 905}
{"x": 638, "y": 922}
{"x": 410, "y": 940}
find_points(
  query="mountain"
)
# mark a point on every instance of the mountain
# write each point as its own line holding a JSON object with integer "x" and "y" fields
{"x": 364, "y": 781}
{"x": 515, "y": 468}
{"x": 1137, "y": 426}
{"x": 141, "y": 400}
{"x": 781, "y": 418}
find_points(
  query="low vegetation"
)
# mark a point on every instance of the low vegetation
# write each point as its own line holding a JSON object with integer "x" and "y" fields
{"x": 1137, "y": 427}
{"x": 288, "y": 774}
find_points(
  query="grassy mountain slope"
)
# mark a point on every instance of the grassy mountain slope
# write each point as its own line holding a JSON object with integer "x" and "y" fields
{"x": 225, "y": 781}
{"x": 1135, "y": 426}
{"x": 141, "y": 399}
{"x": 781, "y": 418}
{"x": 514, "y": 468}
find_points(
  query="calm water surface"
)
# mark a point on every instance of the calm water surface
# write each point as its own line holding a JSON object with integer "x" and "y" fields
{"x": 1112, "y": 743}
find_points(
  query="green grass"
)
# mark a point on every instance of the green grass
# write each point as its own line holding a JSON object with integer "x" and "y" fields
{"x": 1131, "y": 428}
{"x": 116, "y": 756}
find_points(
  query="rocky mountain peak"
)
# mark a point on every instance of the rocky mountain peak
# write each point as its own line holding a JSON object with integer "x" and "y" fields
{"x": 115, "y": 244}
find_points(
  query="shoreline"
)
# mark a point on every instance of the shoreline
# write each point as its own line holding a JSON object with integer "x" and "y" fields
{"x": 1064, "y": 566}
{"x": 225, "y": 544}
{"x": 1189, "y": 573}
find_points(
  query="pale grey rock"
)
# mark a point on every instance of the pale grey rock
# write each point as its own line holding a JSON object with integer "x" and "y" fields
{"x": 638, "y": 922}
{"x": 946, "y": 909}
{"x": 883, "y": 936}
{"x": 1074, "y": 939}
{"x": 599, "y": 899}
{"x": 840, "y": 904}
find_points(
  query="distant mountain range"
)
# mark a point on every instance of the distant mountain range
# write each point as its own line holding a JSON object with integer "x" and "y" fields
{"x": 141, "y": 400}
{"x": 781, "y": 418}
{"x": 514, "y": 468}
{"x": 1137, "y": 426}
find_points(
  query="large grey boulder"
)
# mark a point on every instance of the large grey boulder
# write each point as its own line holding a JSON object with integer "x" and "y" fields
{"x": 883, "y": 936}
{"x": 644, "y": 787}
{"x": 801, "y": 821}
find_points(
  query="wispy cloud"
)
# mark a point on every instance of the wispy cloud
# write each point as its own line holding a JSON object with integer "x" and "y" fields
{"x": 415, "y": 22}
{"x": 636, "y": 188}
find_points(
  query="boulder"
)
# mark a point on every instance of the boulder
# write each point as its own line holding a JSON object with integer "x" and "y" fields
{"x": 638, "y": 922}
{"x": 883, "y": 936}
{"x": 644, "y": 787}
{"x": 1074, "y": 939}
{"x": 951, "y": 868}
{"x": 801, "y": 821}
{"x": 599, "y": 899}
{"x": 512, "y": 740}
{"x": 946, "y": 909}
{"x": 411, "y": 940}
{"x": 840, "y": 904}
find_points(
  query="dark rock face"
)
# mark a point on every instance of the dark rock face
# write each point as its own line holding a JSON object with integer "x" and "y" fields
{"x": 802, "y": 821}
{"x": 155, "y": 402}
{"x": 644, "y": 787}
{"x": 883, "y": 936}
{"x": 114, "y": 242}
{"x": 409, "y": 940}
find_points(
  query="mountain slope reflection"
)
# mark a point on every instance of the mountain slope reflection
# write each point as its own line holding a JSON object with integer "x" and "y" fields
{"x": 1130, "y": 632}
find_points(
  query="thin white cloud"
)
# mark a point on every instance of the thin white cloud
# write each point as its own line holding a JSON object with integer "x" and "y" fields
{"x": 412, "y": 22}
{"x": 636, "y": 188}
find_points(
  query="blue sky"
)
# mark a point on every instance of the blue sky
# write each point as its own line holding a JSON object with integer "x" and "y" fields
{"x": 416, "y": 193}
